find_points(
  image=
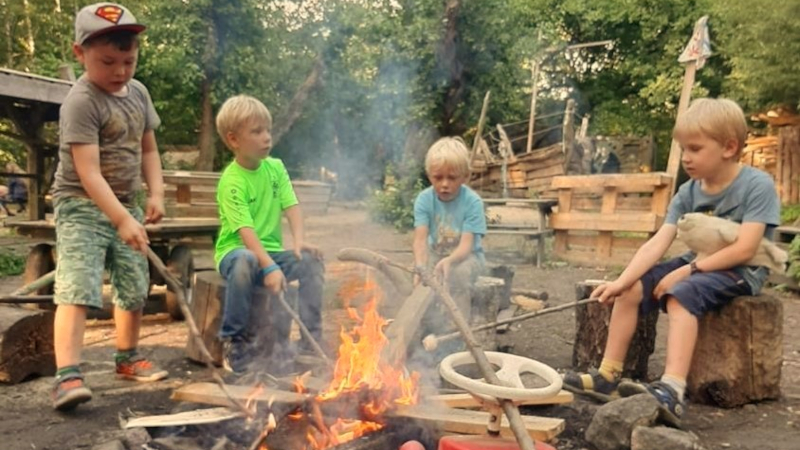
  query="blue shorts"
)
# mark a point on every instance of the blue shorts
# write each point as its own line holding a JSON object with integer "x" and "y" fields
{"x": 699, "y": 293}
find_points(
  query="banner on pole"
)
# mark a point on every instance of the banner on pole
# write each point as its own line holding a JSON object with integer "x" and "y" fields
{"x": 699, "y": 46}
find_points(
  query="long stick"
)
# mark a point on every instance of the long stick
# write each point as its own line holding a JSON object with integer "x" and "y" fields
{"x": 303, "y": 328}
{"x": 44, "y": 280}
{"x": 177, "y": 287}
{"x": 481, "y": 123}
{"x": 431, "y": 342}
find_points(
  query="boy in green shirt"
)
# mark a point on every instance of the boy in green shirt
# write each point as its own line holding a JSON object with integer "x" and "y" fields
{"x": 254, "y": 192}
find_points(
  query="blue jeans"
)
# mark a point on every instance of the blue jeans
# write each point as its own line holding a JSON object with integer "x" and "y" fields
{"x": 247, "y": 301}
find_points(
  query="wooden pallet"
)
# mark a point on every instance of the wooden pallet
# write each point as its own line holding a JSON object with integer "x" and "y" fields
{"x": 604, "y": 219}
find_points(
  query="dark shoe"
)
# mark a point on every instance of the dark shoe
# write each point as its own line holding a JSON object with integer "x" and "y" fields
{"x": 671, "y": 409}
{"x": 592, "y": 385}
{"x": 236, "y": 355}
{"x": 69, "y": 392}
{"x": 139, "y": 368}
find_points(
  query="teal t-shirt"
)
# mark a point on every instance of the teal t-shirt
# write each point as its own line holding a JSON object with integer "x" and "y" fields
{"x": 252, "y": 199}
{"x": 447, "y": 220}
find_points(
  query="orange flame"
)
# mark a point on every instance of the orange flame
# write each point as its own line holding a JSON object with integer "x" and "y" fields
{"x": 359, "y": 368}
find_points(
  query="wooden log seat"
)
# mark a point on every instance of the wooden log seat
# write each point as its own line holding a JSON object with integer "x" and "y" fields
{"x": 26, "y": 344}
{"x": 739, "y": 353}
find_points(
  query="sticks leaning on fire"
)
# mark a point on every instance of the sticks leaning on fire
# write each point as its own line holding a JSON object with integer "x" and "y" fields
{"x": 511, "y": 411}
{"x": 193, "y": 330}
{"x": 432, "y": 341}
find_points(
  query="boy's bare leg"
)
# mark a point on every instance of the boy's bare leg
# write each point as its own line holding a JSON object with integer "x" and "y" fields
{"x": 681, "y": 339}
{"x": 624, "y": 317}
{"x": 70, "y": 323}
{"x": 128, "y": 324}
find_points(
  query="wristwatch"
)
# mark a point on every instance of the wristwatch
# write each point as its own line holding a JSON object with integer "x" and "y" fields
{"x": 694, "y": 268}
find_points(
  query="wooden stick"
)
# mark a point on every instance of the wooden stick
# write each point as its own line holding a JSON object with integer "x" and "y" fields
{"x": 26, "y": 299}
{"x": 303, "y": 328}
{"x": 431, "y": 341}
{"x": 401, "y": 280}
{"x": 36, "y": 284}
{"x": 534, "y": 94}
{"x": 674, "y": 160}
{"x": 177, "y": 288}
{"x": 481, "y": 123}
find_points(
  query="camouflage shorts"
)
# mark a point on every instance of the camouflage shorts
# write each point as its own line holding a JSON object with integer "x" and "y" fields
{"x": 87, "y": 243}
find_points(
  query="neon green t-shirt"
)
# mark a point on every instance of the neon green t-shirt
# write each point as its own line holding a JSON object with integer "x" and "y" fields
{"x": 252, "y": 199}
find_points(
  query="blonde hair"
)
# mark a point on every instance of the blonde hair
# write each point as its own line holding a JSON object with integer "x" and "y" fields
{"x": 720, "y": 119}
{"x": 448, "y": 152}
{"x": 239, "y": 111}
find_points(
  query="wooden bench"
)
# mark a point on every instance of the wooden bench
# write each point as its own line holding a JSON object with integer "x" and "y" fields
{"x": 194, "y": 194}
{"x": 533, "y": 231}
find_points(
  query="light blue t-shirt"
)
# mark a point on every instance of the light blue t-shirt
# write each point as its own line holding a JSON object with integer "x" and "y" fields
{"x": 751, "y": 197}
{"x": 447, "y": 220}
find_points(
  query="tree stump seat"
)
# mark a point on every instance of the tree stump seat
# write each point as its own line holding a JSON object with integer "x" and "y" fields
{"x": 739, "y": 353}
{"x": 26, "y": 344}
{"x": 737, "y": 359}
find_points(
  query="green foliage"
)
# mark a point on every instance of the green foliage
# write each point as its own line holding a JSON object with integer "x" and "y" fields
{"x": 790, "y": 213}
{"x": 794, "y": 259}
{"x": 11, "y": 263}
{"x": 394, "y": 205}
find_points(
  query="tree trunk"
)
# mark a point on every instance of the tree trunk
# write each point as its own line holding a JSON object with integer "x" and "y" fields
{"x": 30, "y": 42}
{"x": 26, "y": 344}
{"x": 289, "y": 116}
{"x": 591, "y": 332}
{"x": 449, "y": 62}
{"x": 739, "y": 353}
{"x": 205, "y": 160}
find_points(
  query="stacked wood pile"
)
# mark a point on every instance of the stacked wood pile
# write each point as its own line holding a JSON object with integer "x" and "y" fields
{"x": 604, "y": 219}
{"x": 528, "y": 174}
{"x": 762, "y": 153}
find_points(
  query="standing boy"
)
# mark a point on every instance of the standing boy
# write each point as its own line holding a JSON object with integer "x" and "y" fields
{"x": 449, "y": 223}
{"x": 107, "y": 143}
{"x": 253, "y": 194}
{"x": 712, "y": 133}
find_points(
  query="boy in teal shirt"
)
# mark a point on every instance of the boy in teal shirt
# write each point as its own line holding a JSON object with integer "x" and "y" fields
{"x": 253, "y": 194}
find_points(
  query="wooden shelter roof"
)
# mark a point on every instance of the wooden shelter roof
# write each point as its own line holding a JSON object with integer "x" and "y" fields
{"x": 22, "y": 91}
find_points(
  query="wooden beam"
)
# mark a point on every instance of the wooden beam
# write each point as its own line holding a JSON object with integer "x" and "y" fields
{"x": 474, "y": 422}
{"x": 617, "y": 180}
{"x": 674, "y": 160}
{"x": 466, "y": 400}
{"x": 211, "y": 394}
{"x": 643, "y": 222}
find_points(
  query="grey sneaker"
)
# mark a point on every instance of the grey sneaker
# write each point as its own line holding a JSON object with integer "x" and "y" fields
{"x": 69, "y": 392}
{"x": 591, "y": 384}
{"x": 236, "y": 355}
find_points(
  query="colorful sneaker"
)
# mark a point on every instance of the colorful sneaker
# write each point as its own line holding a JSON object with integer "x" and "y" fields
{"x": 69, "y": 392}
{"x": 671, "y": 408}
{"x": 138, "y": 368}
{"x": 592, "y": 385}
{"x": 236, "y": 355}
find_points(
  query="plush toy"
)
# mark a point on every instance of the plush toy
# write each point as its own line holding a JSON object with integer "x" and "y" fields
{"x": 705, "y": 234}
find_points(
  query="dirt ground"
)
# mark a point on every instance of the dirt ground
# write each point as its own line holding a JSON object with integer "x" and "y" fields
{"x": 28, "y": 422}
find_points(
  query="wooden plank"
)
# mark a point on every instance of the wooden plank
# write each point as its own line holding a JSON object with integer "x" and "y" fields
{"x": 647, "y": 222}
{"x": 626, "y": 203}
{"x": 617, "y": 180}
{"x": 589, "y": 242}
{"x": 211, "y": 394}
{"x": 475, "y": 422}
{"x": 30, "y": 87}
{"x": 609, "y": 206}
{"x": 529, "y": 233}
{"x": 196, "y": 417}
{"x": 466, "y": 400}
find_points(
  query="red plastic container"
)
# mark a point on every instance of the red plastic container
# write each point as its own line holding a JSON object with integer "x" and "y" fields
{"x": 484, "y": 443}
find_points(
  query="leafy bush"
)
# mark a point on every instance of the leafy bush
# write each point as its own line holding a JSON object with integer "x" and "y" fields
{"x": 394, "y": 205}
{"x": 790, "y": 213}
{"x": 11, "y": 264}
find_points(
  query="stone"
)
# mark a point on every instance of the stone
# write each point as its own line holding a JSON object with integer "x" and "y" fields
{"x": 613, "y": 423}
{"x": 660, "y": 438}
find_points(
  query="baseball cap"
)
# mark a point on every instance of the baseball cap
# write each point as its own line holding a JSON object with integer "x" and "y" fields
{"x": 101, "y": 18}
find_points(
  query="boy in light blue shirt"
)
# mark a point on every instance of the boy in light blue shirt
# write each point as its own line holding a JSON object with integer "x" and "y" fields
{"x": 449, "y": 223}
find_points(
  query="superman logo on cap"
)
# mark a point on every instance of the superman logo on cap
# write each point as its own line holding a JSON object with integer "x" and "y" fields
{"x": 110, "y": 13}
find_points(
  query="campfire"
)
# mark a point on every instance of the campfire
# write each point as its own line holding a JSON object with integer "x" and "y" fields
{"x": 364, "y": 386}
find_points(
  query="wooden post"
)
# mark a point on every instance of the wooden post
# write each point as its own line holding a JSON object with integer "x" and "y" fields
{"x": 568, "y": 135}
{"x": 534, "y": 93}
{"x": 674, "y": 161}
{"x": 481, "y": 123}
{"x": 591, "y": 332}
